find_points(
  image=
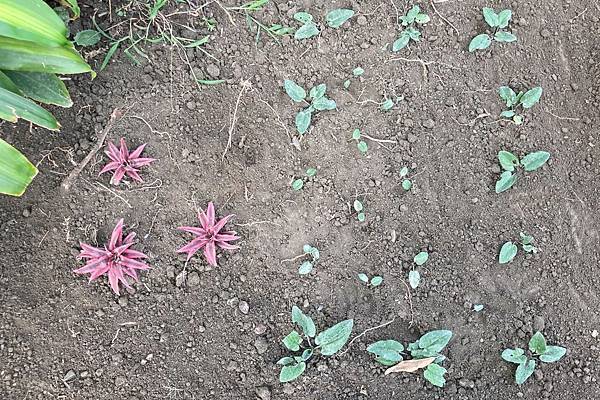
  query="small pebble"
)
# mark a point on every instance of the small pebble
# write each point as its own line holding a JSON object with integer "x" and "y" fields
{"x": 244, "y": 307}
{"x": 213, "y": 70}
{"x": 69, "y": 376}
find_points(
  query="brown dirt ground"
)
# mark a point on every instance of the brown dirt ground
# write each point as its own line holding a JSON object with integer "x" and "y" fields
{"x": 190, "y": 341}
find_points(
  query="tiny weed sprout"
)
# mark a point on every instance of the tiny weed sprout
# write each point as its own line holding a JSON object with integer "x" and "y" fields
{"x": 414, "y": 277}
{"x": 509, "y": 250}
{"x": 360, "y": 144}
{"x": 307, "y": 266}
{"x": 538, "y": 348}
{"x": 374, "y": 282}
{"x": 509, "y": 163}
{"x": 406, "y": 183}
{"x": 334, "y": 18}
{"x": 513, "y": 101}
{"x": 117, "y": 259}
{"x": 298, "y": 183}
{"x": 360, "y": 210}
{"x": 358, "y": 71}
{"x": 124, "y": 162}
{"x": 497, "y": 22}
{"x": 478, "y": 307}
{"x": 275, "y": 30}
{"x": 387, "y": 105}
{"x": 318, "y": 102}
{"x": 327, "y": 343}
{"x": 209, "y": 236}
{"x": 425, "y": 354}
{"x": 414, "y": 16}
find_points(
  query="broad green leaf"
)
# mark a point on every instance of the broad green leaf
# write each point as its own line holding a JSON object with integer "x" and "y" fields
{"x": 422, "y": 19}
{"x": 526, "y": 239}
{"x": 516, "y": 356}
{"x": 363, "y": 277}
{"x": 421, "y": 258}
{"x": 358, "y": 206}
{"x": 414, "y": 278}
{"x": 307, "y": 248}
{"x": 32, "y": 20}
{"x": 504, "y": 17}
{"x": 361, "y": 217}
{"x": 295, "y": 91}
{"x": 507, "y": 252}
{"x": 406, "y": 184}
{"x": 404, "y": 171}
{"x": 292, "y": 341}
{"x": 303, "y": 120}
{"x": 303, "y": 17}
{"x": 318, "y": 91}
{"x": 387, "y": 352}
{"x": 535, "y": 160}
{"x": 401, "y": 42}
{"x": 387, "y": 105}
{"x": 7, "y": 84}
{"x": 347, "y": 83}
{"x": 435, "y": 341}
{"x": 529, "y": 248}
{"x": 411, "y": 15}
{"x": 480, "y": 42}
{"x": 507, "y": 114}
{"x": 13, "y": 107}
{"x": 537, "y": 343}
{"x": 18, "y": 55}
{"x": 356, "y": 134}
{"x": 362, "y": 146}
{"x": 376, "y": 281}
{"x": 286, "y": 361}
{"x": 290, "y": 372}
{"x": 506, "y": 181}
{"x": 553, "y": 354}
{"x": 310, "y": 172}
{"x": 305, "y": 268}
{"x": 358, "y": 71}
{"x": 306, "y": 31}
{"x": 505, "y": 37}
{"x": 435, "y": 375}
{"x": 531, "y": 97}
{"x": 323, "y": 103}
{"x": 336, "y": 18}
{"x": 524, "y": 371}
{"x": 333, "y": 339}
{"x": 491, "y": 18}
{"x": 508, "y": 160}
{"x": 306, "y": 354}
{"x": 508, "y": 95}
{"x": 88, "y": 37}
{"x": 314, "y": 252}
{"x": 42, "y": 87}
{"x": 16, "y": 172}
{"x": 297, "y": 184}
{"x": 413, "y": 33}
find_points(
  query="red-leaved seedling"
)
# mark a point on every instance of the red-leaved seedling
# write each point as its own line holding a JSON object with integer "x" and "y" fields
{"x": 209, "y": 236}
{"x": 116, "y": 260}
{"x": 125, "y": 163}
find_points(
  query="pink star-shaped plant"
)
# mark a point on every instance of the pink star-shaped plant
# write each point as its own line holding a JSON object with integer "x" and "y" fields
{"x": 125, "y": 163}
{"x": 209, "y": 236}
{"x": 116, "y": 260}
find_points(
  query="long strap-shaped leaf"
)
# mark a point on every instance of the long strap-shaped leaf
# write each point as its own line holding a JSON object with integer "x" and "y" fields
{"x": 19, "y": 55}
{"x": 16, "y": 172}
{"x": 8, "y": 84}
{"x": 32, "y": 20}
{"x": 13, "y": 107}
{"x": 39, "y": 86}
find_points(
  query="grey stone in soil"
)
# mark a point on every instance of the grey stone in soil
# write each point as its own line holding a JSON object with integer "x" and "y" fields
{"x": 69, "y": 376}
{"x": 180, "y": 280}
{"x": 263, "y": 393}
{"x": 213, "y": 70}
{"x": 193, "y": 279}
{"x": 429, "y": 123}
{"x": 538, "y": 323}
{"x": 261, "y": 345}
{"x": 244, "y": 307}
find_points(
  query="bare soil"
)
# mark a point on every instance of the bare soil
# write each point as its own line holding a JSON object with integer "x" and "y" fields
{"x": 172, "y": 338}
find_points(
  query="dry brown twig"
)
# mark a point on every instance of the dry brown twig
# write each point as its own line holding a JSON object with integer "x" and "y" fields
{"x": 70, "y": 179}
{"x": 246, "y": 85}
{"x": 365, "y": 332}
{"x": 444, "y": 18}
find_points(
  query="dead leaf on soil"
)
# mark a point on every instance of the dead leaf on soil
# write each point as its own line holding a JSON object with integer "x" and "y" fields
{"x": 410, "y": 365}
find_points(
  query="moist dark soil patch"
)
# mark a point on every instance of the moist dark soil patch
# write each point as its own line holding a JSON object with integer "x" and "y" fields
{"x": 61, "y": 338}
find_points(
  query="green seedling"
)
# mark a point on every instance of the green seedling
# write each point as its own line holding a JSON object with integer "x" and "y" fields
{"x": 335, "y": 19}
{"x": 478, "y": 307}
{"x": 414, "y": 277}
{"x": 360, "y": 144}
{"x": 538, "y": 348}
{"x": 497, "y": 22}
{"x": 414, "y": 16}
{"x": 298, "y": 183}
{"x": 406, "y": 183}
{"x": 509, "y": 250}
{"x": 307, "y": 266}
{"x": 327, "y": 343}
{"x": 360, "y": 210}
{"x": 513, "y": 101}
{"x": 317, "y": 101}
{"x": 358, "y": 71}
{"x": 509, "y": 163}
{"x": 373, "y": 282}
{"x": 274, "y": 31}
{"x": 425, "y": 354}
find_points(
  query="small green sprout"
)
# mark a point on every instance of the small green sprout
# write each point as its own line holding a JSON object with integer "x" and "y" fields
{"x": 406, "y": 183}
{"x": 328, "y": 342}
{"x": 360, "y": 144}
{"x": 410, "y": 33}
{"x": 513, "y": 100}
{"x": 359, "y": 208}
{"x": 374, "y": 282}
{"x": 318, "y": 102}
{"x": 478, "y": 307}
{"x": 509, "y": 249}
{"x": 307, "y": 266}
{"x": 539, "y": 348}
{"x": 509, "y": 162}
{"x": 334, "y": 18}
{"x": 429, "y": 346}
{"x": 414, "y": 277}
{"x": 358, "y": 71}
{"x": 497, "y": 22}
